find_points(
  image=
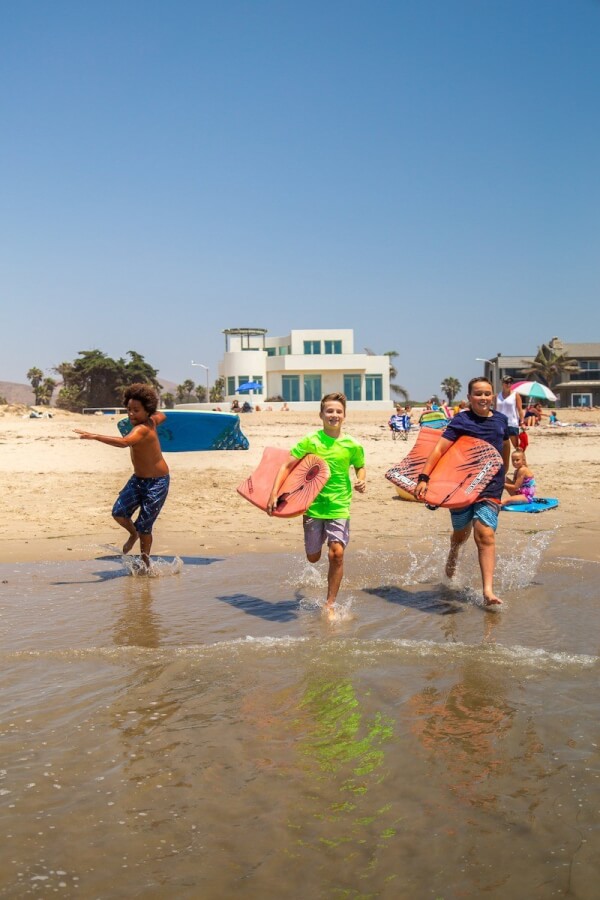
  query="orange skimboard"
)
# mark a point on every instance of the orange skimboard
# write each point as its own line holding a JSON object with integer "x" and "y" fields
{"x": 297, "y": 492}
{"x": 462, "y": 473}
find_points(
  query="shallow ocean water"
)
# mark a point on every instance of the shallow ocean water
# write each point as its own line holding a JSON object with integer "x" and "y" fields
{"x": 207, "y": 732}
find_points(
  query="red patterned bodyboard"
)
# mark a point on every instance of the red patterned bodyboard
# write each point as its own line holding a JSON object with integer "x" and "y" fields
{"x": 297, "y": 492}
{"x": 462, "y": 473}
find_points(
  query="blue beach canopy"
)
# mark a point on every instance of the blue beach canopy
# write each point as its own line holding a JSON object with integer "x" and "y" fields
{"x": 249, "y": 386}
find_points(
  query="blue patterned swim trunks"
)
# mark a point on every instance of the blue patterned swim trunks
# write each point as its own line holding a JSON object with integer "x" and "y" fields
{"x": 484, "y": 511}
{"x": 146, "y": 494}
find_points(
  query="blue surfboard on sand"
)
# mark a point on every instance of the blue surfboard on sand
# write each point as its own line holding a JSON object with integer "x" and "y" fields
{"x": 538, "y": 505}
{"x": 185, "y": 430}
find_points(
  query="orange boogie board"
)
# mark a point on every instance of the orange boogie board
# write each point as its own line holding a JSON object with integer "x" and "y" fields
{"x": 297, "y": 492}
{"x": 462, "y": 473}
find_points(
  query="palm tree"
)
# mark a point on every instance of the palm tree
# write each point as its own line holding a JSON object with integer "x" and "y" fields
{"x": 550, "y": 363}
{"x": 451, "y": 387}
{"x": 184, "y": 391}
{"x": 394, "y": 388}
{"x": 35, "y": 377}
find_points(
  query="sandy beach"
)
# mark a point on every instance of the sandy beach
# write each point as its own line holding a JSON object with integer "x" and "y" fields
{"x": 59, "y": 490}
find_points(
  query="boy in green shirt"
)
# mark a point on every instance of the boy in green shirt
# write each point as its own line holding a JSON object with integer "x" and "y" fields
{"x": 328, "y": 517}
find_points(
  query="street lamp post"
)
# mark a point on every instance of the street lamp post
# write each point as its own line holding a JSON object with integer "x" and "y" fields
{"x": 493, "y": 366}
{"x": 202, "y": 366}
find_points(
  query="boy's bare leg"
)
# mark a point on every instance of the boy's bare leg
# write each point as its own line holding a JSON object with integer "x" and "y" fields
{"x": 145, "y": 547}
{"x": 485, "y": 538}
{"x": 128, "y": 525}
{"x": 457, "y": 539}
{"x": 336, "y": 571}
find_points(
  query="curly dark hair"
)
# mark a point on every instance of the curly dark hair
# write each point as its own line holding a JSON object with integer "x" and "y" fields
{"x": 146, "y": 395}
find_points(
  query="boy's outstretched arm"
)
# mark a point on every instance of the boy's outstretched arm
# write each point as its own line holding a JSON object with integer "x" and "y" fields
{"x": 134, "y": 437}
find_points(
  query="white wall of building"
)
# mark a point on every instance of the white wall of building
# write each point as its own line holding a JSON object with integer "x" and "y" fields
{"x": 290, "y": 359}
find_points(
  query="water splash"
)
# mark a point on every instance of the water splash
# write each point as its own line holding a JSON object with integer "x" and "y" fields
{"x": 159, "y": 568}
{"x": 518, "y": 568}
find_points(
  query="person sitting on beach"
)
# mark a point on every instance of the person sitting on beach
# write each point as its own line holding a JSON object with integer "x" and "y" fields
{"x": 235, "y": 406}
{"x": 521, "y": 486}
{"x": 328, "y": 517}
{"x": 148, "y": 487}
{"x": 481, "y": 421}
{"x": 533, "y": 414}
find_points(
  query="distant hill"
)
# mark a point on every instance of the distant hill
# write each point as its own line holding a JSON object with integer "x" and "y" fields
{"x": 168, "y": 387}
{"x": 16, "y": 393}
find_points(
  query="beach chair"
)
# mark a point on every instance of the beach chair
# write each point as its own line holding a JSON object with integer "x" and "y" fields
{"x": 399, "y": 426}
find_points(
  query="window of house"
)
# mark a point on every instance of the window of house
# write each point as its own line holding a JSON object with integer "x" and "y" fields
{"x": 312, "y": 348}
{"x": 374, "y": 387}
{"x": 284, "y": 351}
{"x": 581, "y": 400}
{"x": 290, "y": 387}
{"x": 271, "y": 351}
{"x": 312, "y": 387}
{"x": 590, "y": 370}
{"x": 230, "y": 385}
{"x": 242, "y": 379}
{"x": 352, "y": 387}
{"x": 333, "y": 347}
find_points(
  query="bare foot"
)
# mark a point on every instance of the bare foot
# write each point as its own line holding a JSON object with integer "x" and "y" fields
{"x": 129, "y": 543}
{"x": 492, "y": 603}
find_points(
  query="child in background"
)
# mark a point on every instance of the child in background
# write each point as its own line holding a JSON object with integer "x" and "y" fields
{"x": 521, "y": 486}
{"x": 328, "y": 517}
{"x": 523, "y": 439}
{"x": 148, "y": 487}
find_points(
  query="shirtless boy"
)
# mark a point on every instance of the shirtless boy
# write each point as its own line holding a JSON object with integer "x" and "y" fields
{"x": 148, "y": 487}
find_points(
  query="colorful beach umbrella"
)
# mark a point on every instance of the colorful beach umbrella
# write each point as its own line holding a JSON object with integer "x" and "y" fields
{"x": 534, "y": 389}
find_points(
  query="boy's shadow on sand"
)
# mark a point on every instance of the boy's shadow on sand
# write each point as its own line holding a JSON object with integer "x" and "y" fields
{"x": 441, "y": 604}
{"x": 281, "y": 611}
{"x": 111, "y": 574}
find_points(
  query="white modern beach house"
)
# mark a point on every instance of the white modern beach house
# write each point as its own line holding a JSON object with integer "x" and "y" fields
{"x": 301, "y": 367}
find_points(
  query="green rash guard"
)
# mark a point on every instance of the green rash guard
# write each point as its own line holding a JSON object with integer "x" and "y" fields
{"x": 339, "y": 453}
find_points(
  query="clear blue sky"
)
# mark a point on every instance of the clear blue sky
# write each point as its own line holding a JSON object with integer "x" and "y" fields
{"x": 425, "y": 172}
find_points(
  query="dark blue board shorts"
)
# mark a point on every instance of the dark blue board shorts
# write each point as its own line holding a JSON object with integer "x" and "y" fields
{"x": 146, "y": 494}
